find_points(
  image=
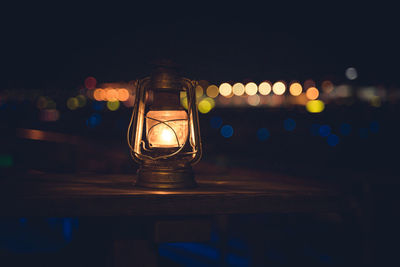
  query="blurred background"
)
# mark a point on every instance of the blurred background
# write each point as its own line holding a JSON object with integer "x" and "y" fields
{"x": 312, "y": 92}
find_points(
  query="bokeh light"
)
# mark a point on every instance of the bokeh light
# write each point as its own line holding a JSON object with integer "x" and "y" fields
{"x": 6, "y": 161}
{"x": 49, "y": 115}
{"x": 72, "y": 103}
{"x": 345, "y": 129}
{"x": 332, "y": 140}
{"x": 205, "y": 105}
{"x": 295, "y": 89}
{"x": 199, "y": 91}
{"x": 90, "y": 82}
{"x": 226, "y": 131}
{"x": 216, "y": 122}
{"x": 253, "y": 100}
{"x": 99, "y": 94}
{"x": 113, "y": 105}
{"x": 327, "y": 86}
{"x": 374, "y": 127}
{"x": 225, "y": 89}
{"x": 264, "y": 88}
{"x": 312, "y": 93}
{"x": 351, "y": 73}
{"x": 238, "y": 89}
{"x": 279, "y": 88}
{"x": 289, "y": 124}
{"x": 111, "y": 94}
{"x": 212, "y": 91}
{"x": 315, "y": 106}
{"x": 81, "y": 100}
{"x": 251, "y": 88}
{"x": 324, "y": 130}
{"x": 123, "y": 94}
{"x": 263, "y": 134}
{"x": 93, "y": 120}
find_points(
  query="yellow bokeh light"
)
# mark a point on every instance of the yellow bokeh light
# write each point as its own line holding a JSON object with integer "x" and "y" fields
{"x": 199, "y": 91}
{"x": 295, "y": 89}
{"x": 184, "y": 101}
{"x": 315, "y": 106}
{"x": 99, "y": 94}
{"x": 225, "y": 89}
{"x": 251, "y": 88}
{"x": 81, "y": 100}
{"x": 312, "y": 93}
{"x": 279, "y": 88}
{"x": 204, "y": 106}
{"x": 264, "y": 88}
{"x": 123, "y": 94}
{"x": 72, "y": 103}
{"x": 113, "y": 105}
{"x": 238, "y": 89}
{"x": 212, "y": 91}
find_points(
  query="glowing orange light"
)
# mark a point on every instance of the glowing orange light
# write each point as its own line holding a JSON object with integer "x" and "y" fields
{"x": 123, "y": 94}
{"x": 295, "y": 89}
{"x": 99, "y": 94}
{"x": 111, "y": 94}
{"x": 168, "y": 129}
{"x": 212, "y": 91}
{"x": 253, "y": 100}
{"x": 312, "y": 93}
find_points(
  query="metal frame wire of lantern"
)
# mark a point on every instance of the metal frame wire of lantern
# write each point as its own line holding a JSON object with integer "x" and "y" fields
{"x": 170, "y": 168}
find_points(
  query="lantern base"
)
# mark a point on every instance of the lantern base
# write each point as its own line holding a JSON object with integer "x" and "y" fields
{"x": 166, "y": 178}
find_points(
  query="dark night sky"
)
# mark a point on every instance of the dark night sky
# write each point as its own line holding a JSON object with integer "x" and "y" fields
{"x": 60, "y": 46}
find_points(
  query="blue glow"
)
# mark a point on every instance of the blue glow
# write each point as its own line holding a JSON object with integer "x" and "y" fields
{"x": 23, "y": 221}
{"x": 345, "y": 129}
{"x": 234, "y": 260}
{"x": 98, "y": 105}
{"x": 363, "y": 132}
{"x": 67, "y": 229}
{"x": 289, "y": 124}
{"x": 93, "y": 120}
{"x": 263, "y": 134}
{"x": 227, "y": 131}
{"x": 324, "y": 130}
{"x": 314, "y": 129}
{"x": 216, "y": 122}
{"x": 374, "y": 127}
{"x": 332, "y": 140}
{"x": 204, "y": 250}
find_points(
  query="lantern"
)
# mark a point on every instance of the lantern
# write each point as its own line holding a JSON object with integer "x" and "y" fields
{"x": 163, "y": 137}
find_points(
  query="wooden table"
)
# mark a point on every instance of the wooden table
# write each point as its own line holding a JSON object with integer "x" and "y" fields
{"x": 178, "y": 215}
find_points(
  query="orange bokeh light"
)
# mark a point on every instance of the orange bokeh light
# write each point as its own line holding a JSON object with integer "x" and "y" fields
{"x": 123, "y": 94}
{"x": 312, "y": 93}
{"x": 295, "y": 89}
{"x": 111, "y": 94}
{"x": 99, "y": 94}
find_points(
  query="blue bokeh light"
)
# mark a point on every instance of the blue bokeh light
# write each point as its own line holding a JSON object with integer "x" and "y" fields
{"x": 345, "y": 129}
{"x": 324, "y": 130}
{"x": 263, "y": 134}
{"x": 289, "y": 124}
{"x": 374, "y": 127}
{"x": 93, "y": 120}
{"x": 332, "y": 140}
{"x": 227, "y": 131}
{"x": 216, "y": 122}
